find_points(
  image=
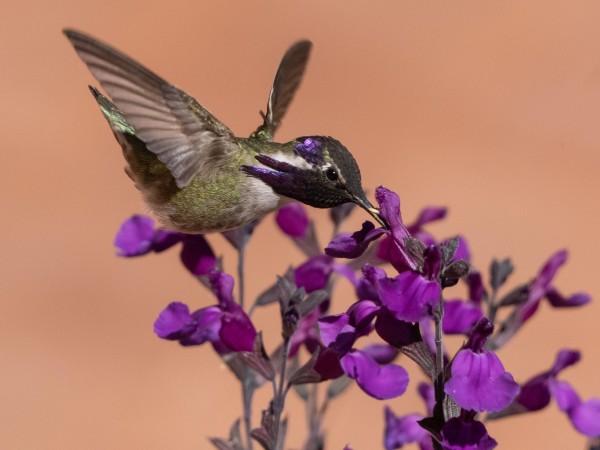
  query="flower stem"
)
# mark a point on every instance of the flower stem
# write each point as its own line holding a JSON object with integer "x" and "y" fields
{"x": 438, "y": 382}
{"x": 313, "y": 419}
{"x": 438, "y": 315}
{"x": 247, "y": 394}
{"x": 280, "y": 394}
{"x": 241, "y": 258}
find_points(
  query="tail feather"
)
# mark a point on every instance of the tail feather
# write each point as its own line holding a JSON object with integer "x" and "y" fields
{"x": 115, "y": 117}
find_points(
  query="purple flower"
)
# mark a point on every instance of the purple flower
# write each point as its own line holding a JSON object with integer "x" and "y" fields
{"x": 479, "y": 381}
{"x": 292, "y": 219}
{"x": 401, "y": 430}
{"x": 306, "y": 334}
{"x": 346, "y": 245}
{"x": 339, "y": 333}
{"x": 541, "y": 287}
{"x": 137, "y": 236}
{"x": 537, "y": 392}
{"x": 460, "y": 316}
{"x": 225, "y": 325}
{"x": 477, "y": 291}
{"x": 427, "y": 215}
{"x": 381, "y": 353}
{"x": 585, "y": 416}
{"x": 176, "y": 323}
{"x": 409, "y": 296}
{"x": 196, "y": 254}
{"x": 466, "y": 433}
{"x": 314, "y": 273}
{"x": 352, "y": 246}
{"x": 378, "y": 381}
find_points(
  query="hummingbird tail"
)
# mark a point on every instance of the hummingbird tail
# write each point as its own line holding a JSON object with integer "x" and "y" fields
{"x": 113, "y": 115}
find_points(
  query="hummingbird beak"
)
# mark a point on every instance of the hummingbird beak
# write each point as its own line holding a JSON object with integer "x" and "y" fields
{"x": 374, "y": 212}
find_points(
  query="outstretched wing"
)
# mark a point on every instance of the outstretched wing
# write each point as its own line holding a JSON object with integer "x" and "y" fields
{"x": 182, "y": 133}
{"x": 287, "y": 79}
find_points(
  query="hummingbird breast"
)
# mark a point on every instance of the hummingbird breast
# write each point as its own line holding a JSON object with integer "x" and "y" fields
{"x": 216, "y": 202}
{"x": 218, "y": 199}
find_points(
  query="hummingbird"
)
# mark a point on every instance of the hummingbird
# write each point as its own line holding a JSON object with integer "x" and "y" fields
{"x": 194, "y": 174}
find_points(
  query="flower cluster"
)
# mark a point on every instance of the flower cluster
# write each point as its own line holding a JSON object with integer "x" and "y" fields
{"x": 405, "y": 306}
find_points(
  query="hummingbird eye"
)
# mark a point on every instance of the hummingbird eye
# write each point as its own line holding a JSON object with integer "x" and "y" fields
{"x": 331, "y": 174}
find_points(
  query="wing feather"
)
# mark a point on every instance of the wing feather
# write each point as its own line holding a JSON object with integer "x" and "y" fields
{"x": 287, "y": 80}
{"x": 172, "y": 124}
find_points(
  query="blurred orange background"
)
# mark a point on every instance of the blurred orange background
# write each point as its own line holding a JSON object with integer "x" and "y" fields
{"x": 490, "y": 108}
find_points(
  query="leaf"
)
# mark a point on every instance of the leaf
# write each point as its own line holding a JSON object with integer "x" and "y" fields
{"x": 265, "y": 435}
{"x": 258, "y": 359}
{"x": 220, "y": 444}
{"x": 420, "y": 353}
{"x": 271, "y": 294}
{"x": 416, "y": 249}
{"x": 340, "y": 213}
{"x": 338, "y": 386}
{"x": 455, "y": 271}
{"x": 312, "y": 301}
{"x": 517, "y": 296}
{"x": 499, "y": 272}
{"x": 306, "y": 373}
{"x": 235, "y": 436}
{"x": 449, "y": 249}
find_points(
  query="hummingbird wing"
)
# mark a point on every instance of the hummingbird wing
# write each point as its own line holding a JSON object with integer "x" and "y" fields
{"x": 287, "y": 80}
{"x": 183, "y": 134}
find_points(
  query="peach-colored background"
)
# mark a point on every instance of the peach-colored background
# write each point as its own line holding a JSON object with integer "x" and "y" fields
{"x": 491, "y": 108}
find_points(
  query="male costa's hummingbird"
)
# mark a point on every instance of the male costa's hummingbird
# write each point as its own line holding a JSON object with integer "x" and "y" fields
{"x": 193, "y": 173}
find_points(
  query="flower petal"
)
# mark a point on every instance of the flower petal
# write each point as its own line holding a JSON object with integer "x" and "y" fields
{"x": 400, "y": 430}
{"x": 458, "y": 434}
{"x": 408, "y": 296}
{"x": 397, "y": 333}
{"x": 314, "y": 273}
{"x": 196, "y": 255}
{"x": 172, "y": 320}
{"x": 237, "y": 331}
{"x": 164, "y": 239}
{"x": 535, "y": 393}
{"x": 460, "y": 316}
{"x": 205, "y": 326}
{"x": 221, "y": 284}
{"x": 381, "y": 382}
{"x": 558, "y": 300}
{"x": 463, "y": 251}
{"x": 292, "y": 219}
{"x": 586, "y": 417}
{"x": 428, "y": 215}
{"x": 564, "y": 359}
{"x": 135, "y": 236}
{"x": 381, "y": 353}
{"x": 480, "y": 383}
{"x": 353, "y": 245}
{"x": 336, "y": 333}
{"x": 389, "y": 205}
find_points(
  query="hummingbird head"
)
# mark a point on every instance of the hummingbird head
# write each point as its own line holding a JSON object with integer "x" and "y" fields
{"x": 321, "y": 172}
